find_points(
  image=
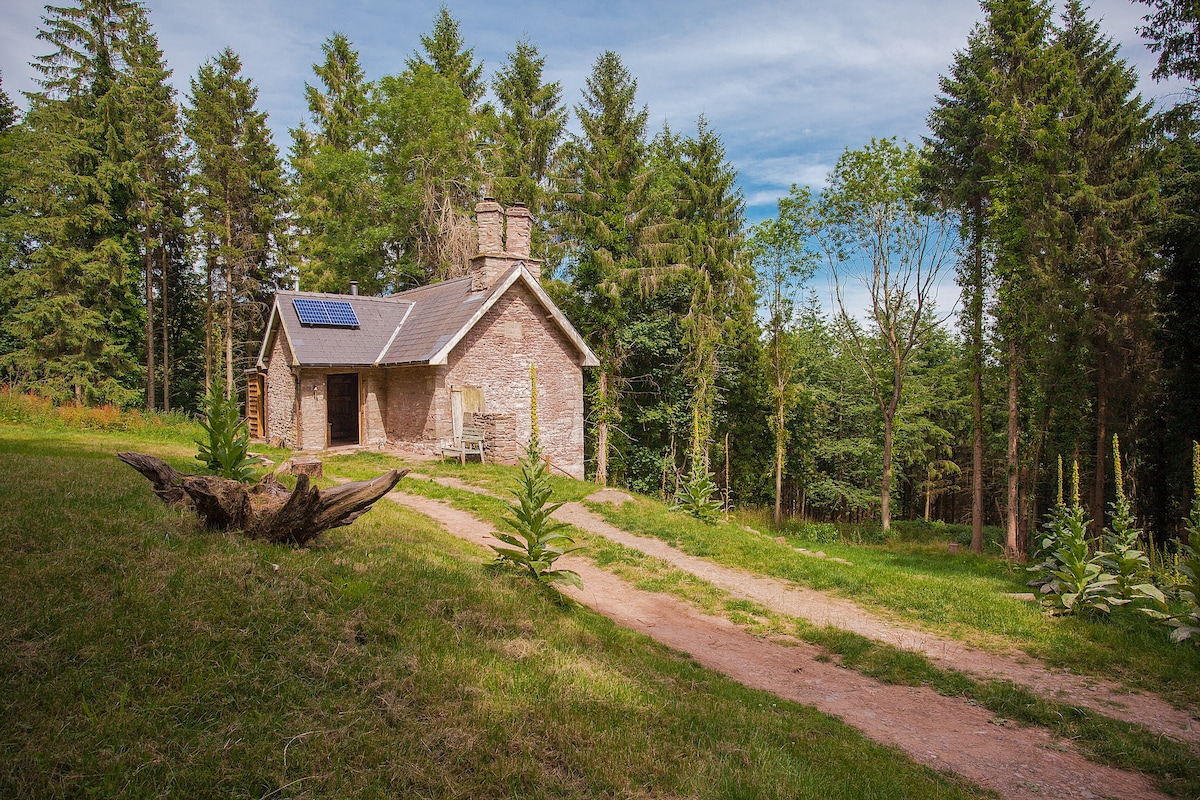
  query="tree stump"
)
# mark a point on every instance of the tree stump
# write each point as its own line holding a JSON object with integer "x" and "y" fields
{"x": 306, "y": 465}
{"x": 264, "y": 510}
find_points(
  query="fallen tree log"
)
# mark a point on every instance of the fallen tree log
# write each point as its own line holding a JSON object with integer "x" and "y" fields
{"x": 264, "y": 510}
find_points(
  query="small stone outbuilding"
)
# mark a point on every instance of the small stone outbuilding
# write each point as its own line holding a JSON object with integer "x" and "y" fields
{"x": 412, "y": 369}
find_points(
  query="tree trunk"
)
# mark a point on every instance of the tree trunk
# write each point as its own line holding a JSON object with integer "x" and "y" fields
{"x": 149, "y": 268}
{"x": 228, "y": 301}
{"x": 265, "y": 510}
{"x": 162, "y": 301}
{"x": 1011, "y": 549}
{"x": 1102, "y": 442}
{"x": 885, "y": 511}
{"x": 209, "y": 318}
{"x": 977, "y": 388}
{"x": 778, "y": 481}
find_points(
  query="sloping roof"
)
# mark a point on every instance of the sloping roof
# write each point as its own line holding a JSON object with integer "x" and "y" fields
{"x": 419, "y": 326}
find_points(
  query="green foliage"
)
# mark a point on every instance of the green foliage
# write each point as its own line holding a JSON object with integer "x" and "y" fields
{"x": 423, "y": 157}
{"x": 697, "y": 495}
{"x": 537, "y": 542}
{"x": 1126, "y": 559}
{"x": 1186, "y": 623}
{"x": 225, "y": 454}
{"x": 339, "y": 237}
{"x": 1074, "y": 579}
{"x": 527, "y": 130}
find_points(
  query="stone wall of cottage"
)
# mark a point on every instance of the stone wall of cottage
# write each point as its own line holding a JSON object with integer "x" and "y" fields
{"x": 313, "y": 423}
{"x": 496, "y": 355}
{"x": 373, "y": 388}
{"x": 418, "y": 415}
{"x": 499, "y": 437}
{"x": 280, "y": 385}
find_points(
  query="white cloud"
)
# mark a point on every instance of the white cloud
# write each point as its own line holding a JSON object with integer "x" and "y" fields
{"x": 787, "y": 85}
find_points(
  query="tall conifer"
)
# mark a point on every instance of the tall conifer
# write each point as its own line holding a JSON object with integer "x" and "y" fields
{"x": 604, "y": 218}
{"x": 75, "y": 320}
{"x": 238, "y": 193}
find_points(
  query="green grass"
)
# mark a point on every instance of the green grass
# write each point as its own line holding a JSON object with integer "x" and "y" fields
{"x": 1106, "y": 741}
{"x": 960, "y": 595}
{"x": 141, "y": 656}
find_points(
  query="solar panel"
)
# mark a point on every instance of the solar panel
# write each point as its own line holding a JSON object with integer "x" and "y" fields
{"x": 334, "y": 313}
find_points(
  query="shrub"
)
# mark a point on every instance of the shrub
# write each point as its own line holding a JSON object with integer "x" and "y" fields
{"x": 1073, "y": 577}
{"x": 1126, "y": 559}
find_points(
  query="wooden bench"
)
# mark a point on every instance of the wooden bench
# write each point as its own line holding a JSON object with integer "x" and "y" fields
{"x": 471, "y": 443}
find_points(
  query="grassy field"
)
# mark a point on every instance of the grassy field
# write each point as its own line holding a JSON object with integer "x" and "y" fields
{"x": 144, "y": 657}
{"x": 889, "y": 578}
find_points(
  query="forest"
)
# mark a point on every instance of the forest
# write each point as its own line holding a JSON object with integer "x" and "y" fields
{"x": 143, "y": 234}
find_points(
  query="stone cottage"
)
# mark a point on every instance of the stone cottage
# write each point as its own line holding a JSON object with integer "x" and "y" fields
{"x": 414, "y": 368}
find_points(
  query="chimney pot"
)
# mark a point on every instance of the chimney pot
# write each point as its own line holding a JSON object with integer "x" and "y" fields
{"x": 354, "y": 288}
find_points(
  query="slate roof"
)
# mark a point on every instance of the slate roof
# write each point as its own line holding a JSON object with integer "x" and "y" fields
{"x": 419, "y": 326}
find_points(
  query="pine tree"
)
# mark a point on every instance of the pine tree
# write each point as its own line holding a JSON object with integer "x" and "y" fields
{"x": 449, "y": 57}
{"x": 707, "y": 235}
{"x": 239, "y": 192}
{"x": 1027, "y": 140}
{"x": 528, "y": 129}
{"x": 339, "y": 237}
{"x": 604, "y": 217}
{"x": 75, "y": 322}
{"x": 1172, "y": 30}
{"x": 154, "y": 137}
{"x": 1111, "y": 206}
{"x": 956, "y": 170}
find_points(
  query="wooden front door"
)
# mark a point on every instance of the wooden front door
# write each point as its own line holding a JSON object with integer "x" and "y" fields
{"x": 342, "y": 399}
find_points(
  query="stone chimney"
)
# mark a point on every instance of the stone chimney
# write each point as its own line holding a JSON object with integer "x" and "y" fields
{"x": 500, "y": 249}
{"x": 519, "y": 227}
{"x": 490, "y": 217}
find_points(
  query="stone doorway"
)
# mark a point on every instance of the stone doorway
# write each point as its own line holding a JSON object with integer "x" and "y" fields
{"x": 342, "y": 394}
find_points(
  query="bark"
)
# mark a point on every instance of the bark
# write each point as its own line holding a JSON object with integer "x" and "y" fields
{"x": 1011, "y": 544}
{"x": 1101, "y": 441}
{"x": 166, "y": 372}
{"x": 149, "y": 268}
{"x": 265, "y": 510}
{"x": 977, "y": 390}
{"x": 778, "y": 481}
{"x": 228, "y": 302}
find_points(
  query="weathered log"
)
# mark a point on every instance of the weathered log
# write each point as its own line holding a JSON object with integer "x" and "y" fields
{"x": 164, "y": 477}
{"x": 265, "y": 510}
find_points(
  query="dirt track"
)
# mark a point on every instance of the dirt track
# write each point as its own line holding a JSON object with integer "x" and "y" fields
{"x": 944, "y": 733}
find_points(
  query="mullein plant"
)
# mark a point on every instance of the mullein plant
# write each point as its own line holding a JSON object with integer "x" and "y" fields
{"x": 1048, "y": 545}
{"x": 536, "y": 542}
{"x": 1079, "y": 583}
{"x": 1186, "y": 623}
{"x": 227, "y": 451}
{"x": 695, "y": 494}
{"x": 1125, "y": 558}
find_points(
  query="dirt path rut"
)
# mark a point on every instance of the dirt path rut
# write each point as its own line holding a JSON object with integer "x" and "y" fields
{"x": 944, "y": 733}
{"x": 818, "y": 608}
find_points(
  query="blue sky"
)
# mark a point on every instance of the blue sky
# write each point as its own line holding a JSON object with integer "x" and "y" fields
{"x": 787, "y": 85}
